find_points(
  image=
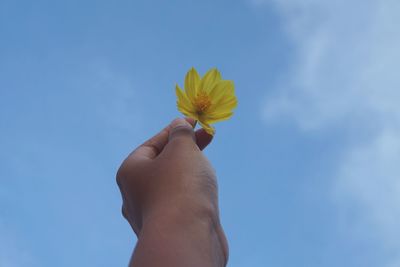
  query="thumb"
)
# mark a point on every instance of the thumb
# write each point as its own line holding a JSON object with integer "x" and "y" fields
{"x": 181, "y": 130}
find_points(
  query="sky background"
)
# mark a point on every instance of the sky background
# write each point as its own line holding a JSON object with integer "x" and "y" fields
{"x": 308, "y": 167}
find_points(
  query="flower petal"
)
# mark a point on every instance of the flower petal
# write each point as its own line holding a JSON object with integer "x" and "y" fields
{"x": 183, "y": 103}
{"x": 187, "y": 113}
{"x": 209, "y": 80}
{"x": 224, "y": 105}
{"x": 218, "y": 117}
{"x": 207, "y": 127}
{"x": 223, "y": 97}
{"x": 221, "y": 89}
{"x": 192, "y": 82}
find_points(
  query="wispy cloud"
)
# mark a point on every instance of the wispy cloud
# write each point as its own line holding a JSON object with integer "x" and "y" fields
{"x": 346, "y": 72}
{"x": 346, "y": 61}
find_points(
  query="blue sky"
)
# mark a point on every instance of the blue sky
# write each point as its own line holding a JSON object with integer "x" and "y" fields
{"x": 308, "y": 167}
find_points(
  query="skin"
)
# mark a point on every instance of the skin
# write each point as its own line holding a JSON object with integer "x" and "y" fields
{"x": 170, "y": 199}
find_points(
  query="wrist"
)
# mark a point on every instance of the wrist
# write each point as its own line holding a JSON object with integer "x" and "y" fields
{"x": 200, "y": 225}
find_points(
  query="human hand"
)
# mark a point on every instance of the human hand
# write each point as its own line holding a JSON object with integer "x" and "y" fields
{"x": 168, "y": 179}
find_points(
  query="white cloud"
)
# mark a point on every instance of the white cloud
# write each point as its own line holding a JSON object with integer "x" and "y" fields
{"x": 347, "y": 60}
{"x": 370, "y": 176}
{"x": 346, "y": 72}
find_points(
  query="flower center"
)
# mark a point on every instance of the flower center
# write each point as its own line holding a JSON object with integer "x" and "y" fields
{"x": 202, "y": 102}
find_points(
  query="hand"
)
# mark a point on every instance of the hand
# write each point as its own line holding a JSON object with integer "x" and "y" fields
{"x": 168, "y": 179}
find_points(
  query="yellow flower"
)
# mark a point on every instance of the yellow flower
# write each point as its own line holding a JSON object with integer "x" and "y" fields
{"x": 207, "y": 100}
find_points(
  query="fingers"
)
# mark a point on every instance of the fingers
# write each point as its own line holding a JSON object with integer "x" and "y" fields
{"x": 181, "y": 129}
{"x": 191, "y": 121}
{"x": 152, "y": 147}
{"x": 176, "y": 129}
{"x": 203, "y": 139}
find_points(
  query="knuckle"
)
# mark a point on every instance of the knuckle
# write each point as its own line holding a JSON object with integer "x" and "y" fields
{"x": 119, "y": 177}
{"x": 182, "y": 131}
{"x": 154, "y": 145}
{"x": 124, "y": 212}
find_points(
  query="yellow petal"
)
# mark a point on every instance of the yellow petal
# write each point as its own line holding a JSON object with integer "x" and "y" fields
{"x": 207, "y": 127}
{"x": 182, "y": 98}
{"x": 209, "y": 80}
{"x": 192, "y": 82}
{"x": 224, "y": 105}
{"x": 187, "y": 113}
{"x": 218, "y": 117}
{"x": 222, "y": 89}
{"x": 183, "y": 103}
{"x": 223, "y": 97}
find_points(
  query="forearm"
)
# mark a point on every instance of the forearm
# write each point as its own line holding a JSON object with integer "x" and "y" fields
{"x": 181, "y": 240}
